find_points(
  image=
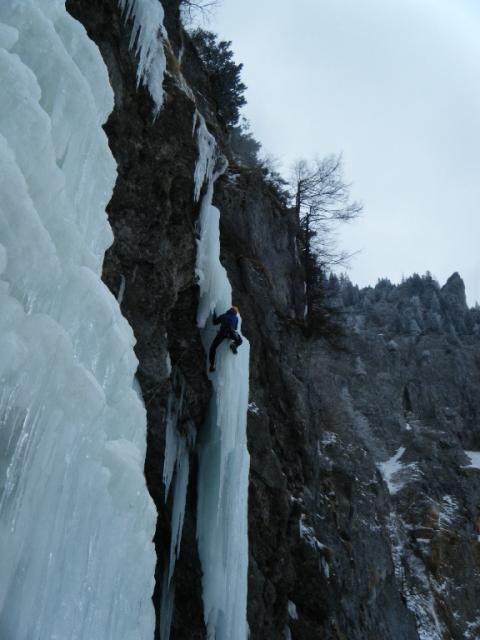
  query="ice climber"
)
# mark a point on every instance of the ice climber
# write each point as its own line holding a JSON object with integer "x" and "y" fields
{"x": 228, "y": 331}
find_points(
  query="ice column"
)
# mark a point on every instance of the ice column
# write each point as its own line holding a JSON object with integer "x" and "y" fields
{"x": 223, "y": 457}
{"x": 179, "y": 441}
{"x": 148, "y": 35}
{"x": 76, "y": 520}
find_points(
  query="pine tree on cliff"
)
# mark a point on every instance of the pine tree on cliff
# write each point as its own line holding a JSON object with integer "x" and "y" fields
{"x": 224, "y": 74}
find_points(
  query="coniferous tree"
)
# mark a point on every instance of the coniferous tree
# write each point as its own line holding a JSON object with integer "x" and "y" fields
{"x": 244, "y": 145}
{"x": 224, "y": 73}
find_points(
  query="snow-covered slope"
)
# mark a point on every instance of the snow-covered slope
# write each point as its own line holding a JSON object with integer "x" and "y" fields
{"x": 76, "y": 521}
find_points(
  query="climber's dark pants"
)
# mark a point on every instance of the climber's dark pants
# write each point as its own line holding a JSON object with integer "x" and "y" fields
{"x": 223, "y": 334}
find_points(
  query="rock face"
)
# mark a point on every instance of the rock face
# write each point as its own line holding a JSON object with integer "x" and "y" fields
{"x": 364, "y": 515}
{"x": 414, "y": 399}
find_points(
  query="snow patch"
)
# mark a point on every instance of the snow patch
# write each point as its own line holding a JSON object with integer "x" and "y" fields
{"x": 472, "y": 631}
{"x": 252, "y": 408}
{"x": 421, "y": 602}
{"x": 395, "y": 473}
{"x": 390, "y": 468}
{"x": 448, "y": 511}
{"x": 308, "y": 534}
{"x": 417, "y": 589}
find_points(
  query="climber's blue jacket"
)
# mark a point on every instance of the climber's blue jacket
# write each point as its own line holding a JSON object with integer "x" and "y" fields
{"x": 228, "y": 320}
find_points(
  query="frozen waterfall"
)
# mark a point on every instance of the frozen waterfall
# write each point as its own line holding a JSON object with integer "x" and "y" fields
{"x": 223, "y": 457}
{"x": 76, "y": 521}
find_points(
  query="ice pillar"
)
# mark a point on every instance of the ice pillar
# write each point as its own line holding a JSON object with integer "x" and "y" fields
{"x": 224, "y": 461}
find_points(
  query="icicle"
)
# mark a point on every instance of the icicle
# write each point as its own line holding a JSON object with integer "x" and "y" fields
{"x": 121, "y": 290}
{"x": 148, "y": 34}
{"x": 174, "y": 410}
{"x": 167, "y": 602}
{"x": 224, "y": 461}
{"x": 176, "y": 462}
{"x": 76, "y": 520}
{"x": 179, "y": 501}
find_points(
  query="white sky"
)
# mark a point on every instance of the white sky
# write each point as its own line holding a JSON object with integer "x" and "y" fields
{"x": 395, "y": 86}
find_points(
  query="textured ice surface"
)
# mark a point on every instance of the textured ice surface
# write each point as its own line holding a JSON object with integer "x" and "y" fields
{"x": 76, "y": 521}
{"x": 215, "y": 289}
{"x": 223, "y": 456}
{"x": 148, "y": 35}
{"x": 207, "y": 155}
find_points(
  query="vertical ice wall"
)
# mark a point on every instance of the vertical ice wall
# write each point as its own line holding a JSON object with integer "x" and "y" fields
{"x": 223, "y": 457}
{"x": 76, "y": 521}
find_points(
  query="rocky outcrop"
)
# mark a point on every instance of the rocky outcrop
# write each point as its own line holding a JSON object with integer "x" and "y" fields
{"x": 415, "y": 405}
{"x": 363, "y": 514}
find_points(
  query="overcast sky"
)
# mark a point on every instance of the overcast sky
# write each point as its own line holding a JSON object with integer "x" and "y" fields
{"x": 395, "y": 86}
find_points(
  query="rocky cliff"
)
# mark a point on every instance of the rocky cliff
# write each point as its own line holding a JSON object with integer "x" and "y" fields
{"x": 363, "y": 509}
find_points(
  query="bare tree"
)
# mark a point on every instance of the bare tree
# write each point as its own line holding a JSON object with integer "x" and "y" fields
{"x": 192, "y": 9}
{"x": 322, "y": 201}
